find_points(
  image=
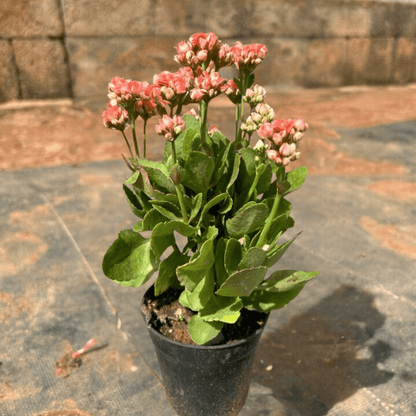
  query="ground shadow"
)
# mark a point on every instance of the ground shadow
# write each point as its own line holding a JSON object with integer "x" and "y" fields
{"x": 324, "y": 356}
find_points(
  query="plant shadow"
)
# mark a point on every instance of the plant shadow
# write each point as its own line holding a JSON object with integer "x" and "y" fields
{"x": 325, "y": 355}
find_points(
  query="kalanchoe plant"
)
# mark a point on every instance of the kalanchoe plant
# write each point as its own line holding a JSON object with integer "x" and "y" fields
{"x": 225, "y": 197}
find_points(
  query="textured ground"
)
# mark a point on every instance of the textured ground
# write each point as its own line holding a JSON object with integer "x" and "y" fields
{"x": 345, "y": 346}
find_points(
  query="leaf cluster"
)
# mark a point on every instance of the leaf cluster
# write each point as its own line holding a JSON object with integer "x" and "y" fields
{"x": 228, "y": 195}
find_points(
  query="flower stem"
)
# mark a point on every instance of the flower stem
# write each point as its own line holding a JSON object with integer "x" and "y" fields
{"x": 263, "y": 235}
{"x": 144, "y": 138}
{"x": 178, "y": 189}
{"x": 133, "y": 128}
{"x": 203, "y": 110}
{"x": 128, "y": 145}
{"x": 237, "y": 117}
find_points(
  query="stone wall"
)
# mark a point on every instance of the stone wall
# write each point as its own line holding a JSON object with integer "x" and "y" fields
{"x": 72, "y": 48}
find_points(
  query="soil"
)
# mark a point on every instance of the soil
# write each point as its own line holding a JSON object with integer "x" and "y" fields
{"x": 166, "y": 315}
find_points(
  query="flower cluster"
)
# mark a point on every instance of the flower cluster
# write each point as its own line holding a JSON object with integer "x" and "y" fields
{"x": 207, "y": 85}
{"x": 169, "y": 127}
{"x": 115, "y": 118}
{"x": 262, "y": 113}
{"x": 284, "y": 136}
{"x": 201, "y": 49}
{"x": 233, "y": 92}
{"x": 247, "y": 57}
{"x": 255, "y": 96}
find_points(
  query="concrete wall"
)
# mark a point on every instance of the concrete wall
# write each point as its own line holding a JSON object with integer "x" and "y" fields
{"x": 72, "y": 48}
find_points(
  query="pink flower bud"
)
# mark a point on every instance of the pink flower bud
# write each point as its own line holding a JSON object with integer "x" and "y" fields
{"x": 300, "y": 125}
{"x": 272, "y": 155}
{"x": 286, "y": 150}
{"x": 277, "y": 139}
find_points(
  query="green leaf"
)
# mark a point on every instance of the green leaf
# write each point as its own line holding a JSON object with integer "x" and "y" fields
{"x": 182, "y": 152}
{"x": 133, "y": 178}
{"x": 151, "y": 219}
{"x": 167, "y": 209}
{"x": 196, "y": 206}
{"x": 158, "y": 175}
{"x": 247, "y": 169}
{"x": 220, "y": 271}
{"x": 201, "y": 331}
{"x": 130, "y": 260}
{"x": 199, "y": 297}
{"x": 247, "y": 219}
{"x": 197, "y": 172}
{"x": 279, "y": 225}
{"x": 243, "y": 282}
{"x": 263, "y": 300}
{"x": 167, "y": 272}
{"x": 296, "y": 177}
{"x": 214, "y": 201}
{"x": 264, "y": 181}
{"x": 233, "y": 255}
{"x": 275, "y": 253}
{"x": 192, "y": 273}
{"x": 224, "y": 309}
{"x": 284, "y": 280}
{"x": 253, "y": 258}
{"x": 162, "y": 236}
{"x": 235, "y": 169}
{"x": 134, "y": 202}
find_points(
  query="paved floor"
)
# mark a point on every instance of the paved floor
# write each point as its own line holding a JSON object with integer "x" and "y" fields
{"x": 345, "y": 346}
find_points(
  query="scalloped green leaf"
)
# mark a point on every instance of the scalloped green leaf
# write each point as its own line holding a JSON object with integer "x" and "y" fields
{"x": 242, "y": 282}
{"x": 162, "y": 236}
{"x": 201, "y": 331}
{"x": 167, "y": 209}
{"x": 220, "y": 272}
{"x": 196, "y": 206}
{"x": 167, "y": 272}
{"x": 234, "y": 171}
{"x": 134, "y": 202}
{"x": 285, "y": 280}
{"x": 253, "y": 258}
{"x": 214, "y": 201}
{"x": 130, "y": 260}
{"x": 264, "y": 181}
{"x": 275, "y": 253}
{"x": 197, "y": 172}
{"x": 199, "y": 297}
{"x": 263, "y": 300}
{"x": 296, "y": 177}
{"x": 201, "y": 262}
{"x": 224, "y": 309}
{"x": 247, "y": 219}
{"x": 247, "y": 169}
{"x": 233, "y": 255}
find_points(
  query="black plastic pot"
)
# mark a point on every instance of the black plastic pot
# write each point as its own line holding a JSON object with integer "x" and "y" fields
{"x": 205, "y": 380}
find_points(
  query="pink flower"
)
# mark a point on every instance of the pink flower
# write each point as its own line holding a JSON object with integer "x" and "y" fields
{"x": 247, "y": 57}
{"x": 193, "y": 113}
{"x": 115, "y": 117}
{"x": 169, "y": 127}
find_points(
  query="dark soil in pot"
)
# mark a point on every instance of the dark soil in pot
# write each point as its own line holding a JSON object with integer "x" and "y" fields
{"x": 167, "y": 316}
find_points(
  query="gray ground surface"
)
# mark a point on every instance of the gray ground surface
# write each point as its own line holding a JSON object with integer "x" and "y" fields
{"x": 345, "y": 346}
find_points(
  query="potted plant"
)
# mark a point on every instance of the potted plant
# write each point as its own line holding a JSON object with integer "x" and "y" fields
{"x": 226, "y": 199}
